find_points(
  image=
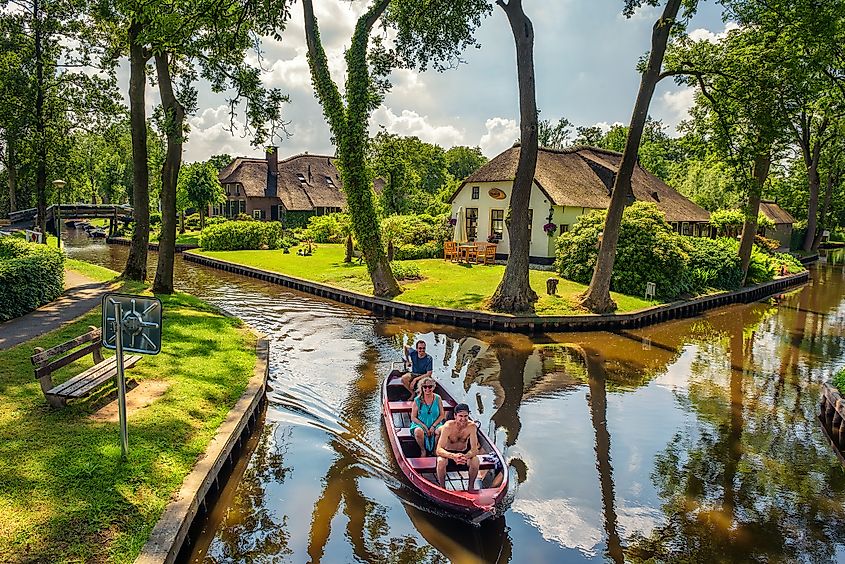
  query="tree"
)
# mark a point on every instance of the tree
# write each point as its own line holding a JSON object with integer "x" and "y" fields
{"x": 220, "y": 161}
{"x": 462, "y": 161}
{"x": 425, "y": 34}
{"x": 15, "y": 56}
{"x": 514, "y": 293}
{"x": 554, "y": 136}
{"x": 597, "y": 297}
{"x": 201, "y": 186}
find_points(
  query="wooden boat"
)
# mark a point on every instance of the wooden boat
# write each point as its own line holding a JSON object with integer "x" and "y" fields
{"x": 492, "y": 481}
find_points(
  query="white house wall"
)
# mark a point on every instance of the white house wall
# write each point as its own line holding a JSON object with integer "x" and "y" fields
{"x": 541, "y": 244}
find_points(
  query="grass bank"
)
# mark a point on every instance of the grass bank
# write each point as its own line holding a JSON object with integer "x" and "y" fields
{"x": 93, "y": 271}
{"x": 65, "y": 493}
{"x": 444, "y": 284}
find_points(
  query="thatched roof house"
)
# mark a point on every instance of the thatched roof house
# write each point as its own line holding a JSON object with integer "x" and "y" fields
{"x": 272, "y": 189}
{"x": 782, "y": 219}
{"x": 567, "y": 184}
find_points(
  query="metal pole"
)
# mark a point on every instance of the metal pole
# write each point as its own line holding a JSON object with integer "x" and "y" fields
{"x": 121, "y": 382}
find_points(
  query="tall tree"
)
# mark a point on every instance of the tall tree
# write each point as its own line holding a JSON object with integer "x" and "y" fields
{"x": 201, "y": 186}
{"x": 514, "y": 293}
{"x": 597, "y": 297}
{"x": 554, "y": 136}
{"x": 462, "y": 161}
{"x": 426, "y": 33}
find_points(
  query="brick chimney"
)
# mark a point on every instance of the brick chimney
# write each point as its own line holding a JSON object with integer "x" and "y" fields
{"x": 271, "y": 190}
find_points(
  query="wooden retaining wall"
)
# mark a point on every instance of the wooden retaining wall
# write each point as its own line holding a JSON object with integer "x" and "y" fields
{"x": 150, "y": 246}
{"x": 502, "y": 322}
{"x": 832, "y": 418}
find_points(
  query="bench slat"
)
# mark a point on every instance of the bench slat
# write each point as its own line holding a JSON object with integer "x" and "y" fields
{"x": 82, "y": 384}
{"x": 39, "y": 358}
{"x": 51, "y": 367}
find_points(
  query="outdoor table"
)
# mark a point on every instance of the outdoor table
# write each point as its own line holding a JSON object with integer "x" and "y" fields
{"x": 463, "y": 251}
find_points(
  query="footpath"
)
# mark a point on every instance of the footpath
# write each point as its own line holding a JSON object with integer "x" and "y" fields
{"x": 81, "y": 295}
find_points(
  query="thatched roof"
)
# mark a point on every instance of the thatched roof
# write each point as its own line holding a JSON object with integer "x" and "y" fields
{"x": 583, "y": 177}
{"x": 776, "y": 213}
{"x": 304, "y": 181}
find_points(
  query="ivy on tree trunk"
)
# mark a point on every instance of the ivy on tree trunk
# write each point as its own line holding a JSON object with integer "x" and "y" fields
{"x": 514, "y": 293}
{"x": 762, "y": 162}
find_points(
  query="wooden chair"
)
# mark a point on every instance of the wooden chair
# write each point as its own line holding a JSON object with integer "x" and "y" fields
{"x": 472, "y": 253}
{"x": 489, "y": 256}
{"x": 450, "y": 250}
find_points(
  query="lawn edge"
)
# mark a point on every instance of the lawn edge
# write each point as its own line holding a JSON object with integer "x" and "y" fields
{"x": 511, "y": 323}
{"x": 171, "y": 531}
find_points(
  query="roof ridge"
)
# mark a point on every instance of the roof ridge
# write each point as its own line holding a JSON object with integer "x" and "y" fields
{"x": 300, "y": 155}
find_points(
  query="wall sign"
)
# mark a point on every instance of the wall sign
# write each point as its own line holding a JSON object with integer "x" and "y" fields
{"x": 497, "y": 194}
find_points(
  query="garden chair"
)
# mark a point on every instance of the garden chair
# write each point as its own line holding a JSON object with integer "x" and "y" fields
{"x": 472, "y": 253}
{"x": 489, "y": 256}
{"x": 450, "y": 250}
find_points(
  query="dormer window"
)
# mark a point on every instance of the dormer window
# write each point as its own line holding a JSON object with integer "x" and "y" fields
{"x": 301, "y": 177}
{"x": 329, "y": 181}
{"x": 656, "y": 196}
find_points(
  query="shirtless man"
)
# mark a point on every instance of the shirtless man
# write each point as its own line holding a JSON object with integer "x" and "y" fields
{"x": 458, "y": 442}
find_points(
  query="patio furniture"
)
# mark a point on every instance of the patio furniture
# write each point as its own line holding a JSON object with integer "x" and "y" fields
{"x": 450, "y": 250}
{"x": 464, "y": 250}
{"x": 489, "y": 255}
{"x": 473, "y": 253}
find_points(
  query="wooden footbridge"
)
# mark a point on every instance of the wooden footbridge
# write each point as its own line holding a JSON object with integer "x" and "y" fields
{"x": 114, "y": 213}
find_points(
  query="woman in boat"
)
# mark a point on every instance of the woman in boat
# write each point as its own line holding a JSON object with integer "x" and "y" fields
{"x": 427, "y": 416}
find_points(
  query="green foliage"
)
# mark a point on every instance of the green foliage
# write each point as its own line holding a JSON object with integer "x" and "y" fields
{"x": 462, "y": 161}
{"x": 761, "y": 268}
{"x": 243, "y": 217}
{"x": 648, "y": 251}
{"x": 416, "y": 236}
{"x": 791, "y": 263}
{"x": 726, "y": 220}
{"x": 839, "y": 380}
{"x": 710, "y": 184}
{"x": 329, "y": 228}
{"x": 192, "y": 222}
{"x": 430, "y": 249}
{"x": 714, "y": 263}
{"x": 765, "y": 244}
{"x": 155, "y": 218}
{"x": 215, "y": 220}
{"x": 405, "y": 271}
{"x": 31, "y": 275}
{"x": 243, "y": 235}
{"x": 297, "y": 219}
{"x": 198, "y": 181}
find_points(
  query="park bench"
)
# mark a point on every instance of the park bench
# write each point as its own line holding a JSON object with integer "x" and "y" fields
{"x": 48, "y": 361}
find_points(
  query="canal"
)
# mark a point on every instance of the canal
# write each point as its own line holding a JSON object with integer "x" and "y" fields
{"x": 693, "y": 440}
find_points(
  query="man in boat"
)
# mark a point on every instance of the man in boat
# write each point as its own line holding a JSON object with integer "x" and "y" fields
{"x": 458, "y": 442}
{"x": 421, "y": 366}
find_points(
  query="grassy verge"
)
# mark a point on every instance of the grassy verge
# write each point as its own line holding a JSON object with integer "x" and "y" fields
{"x": 444, "y": 284}
{"x": 98, "y": 273}
{"x": 65, "y": 493}
{"x": 186, "y": 238}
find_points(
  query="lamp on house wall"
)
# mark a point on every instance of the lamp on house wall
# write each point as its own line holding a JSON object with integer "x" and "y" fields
{"x": 57, "y": 217}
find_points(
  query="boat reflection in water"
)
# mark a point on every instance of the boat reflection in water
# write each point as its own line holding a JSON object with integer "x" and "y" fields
{"x": 693, "y": 440}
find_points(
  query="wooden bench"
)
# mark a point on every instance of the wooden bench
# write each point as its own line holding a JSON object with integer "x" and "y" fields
{"x": 48, "y": 361}
{"x": 405, "y": 406}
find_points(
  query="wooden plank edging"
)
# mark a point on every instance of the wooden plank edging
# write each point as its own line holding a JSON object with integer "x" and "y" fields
{"x": 171, "y": 530}
{"x": 511, "y": 323}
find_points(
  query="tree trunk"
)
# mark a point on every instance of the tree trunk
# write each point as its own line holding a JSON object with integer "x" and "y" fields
{"x": 812, "y": 207}
{"x": 812, "y": 154}
{"x": 349, "y": 249}
{"x": 175, "y": 113}
{"x": 40, "y": 126}
{"x": 514, "y": 293}
{"x": 597, "y": 297}
{"x": 181, "y": 221}
{"x": 12, "y": 168}
{"x": 136, "y": 262}
{"x": 202, "y": 217}
{"x": 832, "y": 178}
{"x": 752, "y": 209}
{"x": 349, "y": 127}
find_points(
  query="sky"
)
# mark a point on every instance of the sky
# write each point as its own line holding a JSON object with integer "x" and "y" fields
{"x": 585, "y": 56}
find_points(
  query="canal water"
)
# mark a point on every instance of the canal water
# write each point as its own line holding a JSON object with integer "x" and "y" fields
{"x": 694, "y": 440}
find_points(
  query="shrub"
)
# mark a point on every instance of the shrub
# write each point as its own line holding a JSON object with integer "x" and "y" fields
{"x": 31, "y": 275}
{"x": 761, "y": 268}
{"x": 405, "y": 271}
{"x": 192, "y": 222}
{"x": 648, "y": 251}
{"x": 431, "y": 249}
{"x": 242, "y": 235}
{"x": 714, "y": 263}
{"x": 416, "y": 236}
{"x": 155, "y": 218}
{"x": 215, "y": 220}
{"x": 792, "y": 264}
{"x": 839, "y": 380}
{"x": 329, "y": 228}
{"x": 766, "y": 245}
{"x": 243, "y": 217}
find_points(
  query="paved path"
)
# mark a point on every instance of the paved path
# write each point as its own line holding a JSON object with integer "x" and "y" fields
{"x": 82, "y": 294}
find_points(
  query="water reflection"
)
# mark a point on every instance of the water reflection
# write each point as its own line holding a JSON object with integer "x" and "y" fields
{"x": 693, "y": 440}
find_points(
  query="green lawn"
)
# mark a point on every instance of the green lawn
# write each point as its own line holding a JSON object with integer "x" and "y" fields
{"x": 186, "y": 238}
{"x": 98, "y": 273}
{"x": 65, "y": 493}
{"x": 444, "y": 284}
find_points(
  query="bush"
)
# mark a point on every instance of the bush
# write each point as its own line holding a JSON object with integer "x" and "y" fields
{"x": 243, "y": 235}
{"x": 766, "y": 245}
{"x": 432, "y": 249}
{"x": 761, "y": 268}
{"x": 155, "y": 218}
{"x": 192, "y": 222}
{"x": 839, "y": 380}
{"x": 31, "y": 275}
{"x": 243, "y": 217}
{"x": 215, "y": 220}
{"x": 405, "y": 271}
{"x": 792, "y": 264}
{"x": 329, "y": 228}
{"x": 714, "y": 263}
{"x": 416, "y": 236}
{"x": 648, "y": 251}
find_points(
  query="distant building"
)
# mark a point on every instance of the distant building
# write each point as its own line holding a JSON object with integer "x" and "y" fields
{"x": 289, "y": 191}
{"x": 782, "y": 219}
{"x": 567, "y": 184}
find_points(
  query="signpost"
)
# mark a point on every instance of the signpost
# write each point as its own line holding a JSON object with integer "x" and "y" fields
{"x": 130, "y": 323}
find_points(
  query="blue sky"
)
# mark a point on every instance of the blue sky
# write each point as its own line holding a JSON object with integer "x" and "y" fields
{"x": 585, "y": 58}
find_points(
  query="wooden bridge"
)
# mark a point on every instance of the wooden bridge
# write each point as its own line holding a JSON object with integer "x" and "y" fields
{"x": 113, "y": 213}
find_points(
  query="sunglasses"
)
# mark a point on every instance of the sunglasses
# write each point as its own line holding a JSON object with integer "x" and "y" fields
{"x": 428, "y": 387}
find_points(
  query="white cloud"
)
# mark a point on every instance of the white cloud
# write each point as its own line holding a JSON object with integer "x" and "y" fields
{"x": 677, "y": 105}
{"x": 702, "y": 34}
{"x": 559, "y": 521}
{"x": 605, "y": 127}
{"x": 501, "y": 134}
{"x": 411, "y": 123}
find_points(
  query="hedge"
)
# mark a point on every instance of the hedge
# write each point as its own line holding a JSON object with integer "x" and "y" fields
{"x": 243, "y": 235}
{"x": 31, "y": 275}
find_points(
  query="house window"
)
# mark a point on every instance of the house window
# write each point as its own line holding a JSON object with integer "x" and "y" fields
{"x": 472, "y": 223}
{"x": 685, "y": 228}
{"x": 258, "y": 214}
{"x": 242, "y": 206}
{"x": 564, "y": 227}
{"x": 329, "y": 181}
{"x": 237, "y": 189}
{"x": 497, "y": 223}
{"x": 475, "y": 190}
